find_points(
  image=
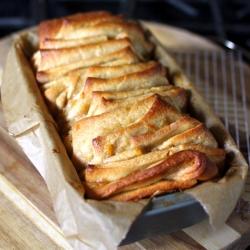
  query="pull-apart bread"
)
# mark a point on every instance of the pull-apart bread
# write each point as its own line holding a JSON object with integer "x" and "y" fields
{"x": 125, "y": 125}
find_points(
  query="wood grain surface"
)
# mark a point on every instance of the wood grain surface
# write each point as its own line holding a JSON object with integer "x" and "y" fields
{"x": 27, "y": 218}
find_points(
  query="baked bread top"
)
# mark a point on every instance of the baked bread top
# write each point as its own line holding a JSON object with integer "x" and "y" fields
{"x": 125, "y": 125}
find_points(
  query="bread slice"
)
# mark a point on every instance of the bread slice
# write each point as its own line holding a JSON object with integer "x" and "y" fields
{"x": 126, "y": 55}
{"x": 176, "y": 97}
{"x": 155, "y": 189}
{"x": 52, "y": 58}
{"x": 184, "y": 165}
{"x": 50, "y": 43}
{"x": 60, "y": 28}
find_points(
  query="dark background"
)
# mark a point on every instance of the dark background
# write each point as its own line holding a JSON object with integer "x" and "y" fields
{"x": 226, "y": 19}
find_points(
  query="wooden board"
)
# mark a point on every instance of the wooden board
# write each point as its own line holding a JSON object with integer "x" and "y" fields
{"x": 27, "y": 218}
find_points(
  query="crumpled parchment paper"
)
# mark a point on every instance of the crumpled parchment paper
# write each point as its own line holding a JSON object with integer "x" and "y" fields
{"x": 90, "y": 224}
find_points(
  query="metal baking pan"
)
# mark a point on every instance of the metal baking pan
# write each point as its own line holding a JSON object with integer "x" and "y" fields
{"x": 165, "y": 214}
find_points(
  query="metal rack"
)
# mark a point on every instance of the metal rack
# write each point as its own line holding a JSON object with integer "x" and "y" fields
{"x": 222, "y": 77}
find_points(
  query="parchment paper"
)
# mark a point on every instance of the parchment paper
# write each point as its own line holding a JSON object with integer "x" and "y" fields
{"x": 89, "y": 224}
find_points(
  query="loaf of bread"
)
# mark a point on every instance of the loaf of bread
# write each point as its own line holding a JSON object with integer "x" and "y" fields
{"x": 126, "y": 127}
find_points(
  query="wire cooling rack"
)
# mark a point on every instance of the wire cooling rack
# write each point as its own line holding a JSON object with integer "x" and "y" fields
{"x": 221, "y": 77}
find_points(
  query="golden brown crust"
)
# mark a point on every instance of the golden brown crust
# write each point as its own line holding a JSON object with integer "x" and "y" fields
{"x": 60, "y": 27}
{"x": 99, "y": 96}
{"x": 56, "y": 72}
{"x": 113, "y": 30}
{"x": 52, "y": 58}
{"x": 86, "y": 129}
{"x": 164, "y": 186}
{"x": 50, "y": 43}
{"x": 183, "y": 165}
{"x": 152, "y": 76}
{"x": 199, "y": 135}
{"x": 177, "y": 98}
{"x": 116, "y": 169}
{"x": 158, "y": 115}
{"x": 152, "y": 139}
{"x": 107, "y": 71}
{"x": 217, "y": 155}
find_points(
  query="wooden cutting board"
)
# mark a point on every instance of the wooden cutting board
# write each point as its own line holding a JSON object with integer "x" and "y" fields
{"x": 27, "y": 218}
